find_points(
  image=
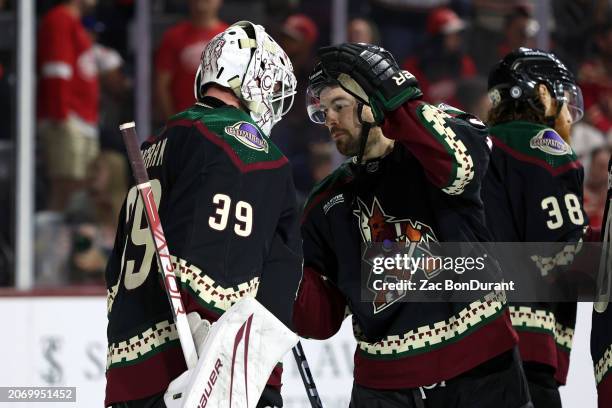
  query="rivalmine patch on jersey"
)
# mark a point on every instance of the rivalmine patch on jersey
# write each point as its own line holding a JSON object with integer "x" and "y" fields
{"x": 549, "y": 141}
{"x": 248, "y": 134}
{"x": 377, "y": 227}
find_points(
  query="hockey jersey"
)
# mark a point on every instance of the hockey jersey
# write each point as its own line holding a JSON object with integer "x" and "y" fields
{"x": 227, "y": 205}
{"x": 601, "y": 329}
{"x": 427, "y": 189}
{"x": 533, "y": 193}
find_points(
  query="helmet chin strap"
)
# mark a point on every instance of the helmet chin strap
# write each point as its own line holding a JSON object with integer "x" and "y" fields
{"x": 360, "y": 170}
{"x": 551, "y": 120}
{"x": 365, "y": 132}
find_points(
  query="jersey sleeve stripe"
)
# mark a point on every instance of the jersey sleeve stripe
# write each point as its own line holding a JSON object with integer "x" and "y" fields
{"x": 603, "y": 367}
{"x": 56, "y": 69}
{"x": 462, "y": 167}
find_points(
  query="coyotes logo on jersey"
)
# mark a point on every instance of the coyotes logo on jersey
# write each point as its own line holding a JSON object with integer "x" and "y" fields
{"x": 384, "y": 235}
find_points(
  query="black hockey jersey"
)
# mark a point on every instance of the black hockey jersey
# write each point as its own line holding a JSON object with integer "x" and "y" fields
{"x": 533, "y": 193}
{"x": 227, "y": 205}
{"x": 426, "y": 189}
{"x": 601, "y": 329}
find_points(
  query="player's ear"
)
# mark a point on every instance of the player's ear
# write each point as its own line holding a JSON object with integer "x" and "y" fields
{"x": 546, "y": 99}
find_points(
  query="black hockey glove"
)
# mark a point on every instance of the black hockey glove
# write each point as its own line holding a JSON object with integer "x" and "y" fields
{"x": 371, "y": 74}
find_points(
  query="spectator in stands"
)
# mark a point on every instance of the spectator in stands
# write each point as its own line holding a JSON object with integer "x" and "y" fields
{"x": 487, "y": 30}
{"x": 596, "y": 186}
{"x": 574, "y": 21}
{"x": 93, "y": 212}
{"x": 402, "y": 23}
{"x": 595, "y": 78}
{"x": 67, "y": 98}
{"x": 363, "y": 30}
{"x": 585, "y": 138}
{"x": 472, "y": 96}
{"x": 443, "y": 61}
{"x": 519, "y": 31}
{"x": 115, "y": 86}
{"x": 294, "y": 133}
{"x": 178, "y": 55}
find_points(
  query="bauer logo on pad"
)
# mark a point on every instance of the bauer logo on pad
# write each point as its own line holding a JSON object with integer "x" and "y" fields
{"x": 550, "y": 142}
{"x": 248, "y": 134}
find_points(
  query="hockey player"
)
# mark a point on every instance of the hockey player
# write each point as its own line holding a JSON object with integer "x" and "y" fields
{"x": 601, "y": 329}
{"x": 227, "y": 204}
{"x": 601, "y": 351}
{"x": 533, "y": 193}
{"x": 413, "y": 177}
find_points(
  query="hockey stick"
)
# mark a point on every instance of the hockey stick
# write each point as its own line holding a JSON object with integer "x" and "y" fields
{"x": 604, "y": 276}
{"x": 130, "y": 139}
{"x": 307, "y": 379}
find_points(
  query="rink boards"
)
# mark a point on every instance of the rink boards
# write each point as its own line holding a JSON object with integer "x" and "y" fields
{"x": 60, "y": 340}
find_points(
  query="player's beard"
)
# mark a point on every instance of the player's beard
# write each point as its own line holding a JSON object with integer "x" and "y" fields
{"x": 346, "y": 143}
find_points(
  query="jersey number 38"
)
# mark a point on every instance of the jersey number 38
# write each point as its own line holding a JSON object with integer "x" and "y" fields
{"x": 572, "y": 204}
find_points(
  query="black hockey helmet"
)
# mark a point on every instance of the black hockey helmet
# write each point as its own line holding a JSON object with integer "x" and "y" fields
{"x": 317, "y": 80}
{"x": 517, "y": 75}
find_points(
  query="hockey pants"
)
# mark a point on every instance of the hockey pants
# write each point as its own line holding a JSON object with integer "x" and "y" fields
{"x": 498, "y": 383}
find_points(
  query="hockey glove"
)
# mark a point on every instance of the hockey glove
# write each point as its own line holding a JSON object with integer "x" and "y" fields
{"x": 371, "y": 74}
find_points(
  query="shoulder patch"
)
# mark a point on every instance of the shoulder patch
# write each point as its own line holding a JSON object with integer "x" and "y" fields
{"x": 549, "y": 141}
{"x": 248, "y": 134}
{"x": 535, "y": 143}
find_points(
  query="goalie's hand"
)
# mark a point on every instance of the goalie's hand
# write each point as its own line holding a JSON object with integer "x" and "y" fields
{"x": 199, "y": 330}
{"x": 371, "y": 74}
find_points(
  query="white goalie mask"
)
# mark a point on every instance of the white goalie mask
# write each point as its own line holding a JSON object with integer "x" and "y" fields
{"x": 247, "y": 60}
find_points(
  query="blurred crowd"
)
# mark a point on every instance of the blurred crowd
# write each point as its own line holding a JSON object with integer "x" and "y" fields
{"x": 85, "y": 69}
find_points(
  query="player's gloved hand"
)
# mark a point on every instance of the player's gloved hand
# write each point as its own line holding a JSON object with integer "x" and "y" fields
{"x": 175, "y": 394}
{"x": 199, "y": 330}
{"x": 371, "y": 74}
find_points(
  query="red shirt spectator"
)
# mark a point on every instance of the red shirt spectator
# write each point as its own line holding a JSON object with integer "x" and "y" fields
{"x": 179, "y": 56}
{"x": 443, "y": 61}
{"x": 441, "y": 89}
{"x": 596, "y": 86}
{"x": 66, "y": 68}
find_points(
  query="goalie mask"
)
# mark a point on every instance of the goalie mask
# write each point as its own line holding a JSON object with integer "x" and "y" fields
{"x": 517, "y": 76}
{"x": 245, "y": 59}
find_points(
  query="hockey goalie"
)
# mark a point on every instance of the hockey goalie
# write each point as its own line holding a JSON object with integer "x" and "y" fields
{"x": 227, "y": 205}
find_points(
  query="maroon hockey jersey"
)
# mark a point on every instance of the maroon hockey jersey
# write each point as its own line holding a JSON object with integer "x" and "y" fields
{"x": 601, "y": 330}
{"x": 426, "y": 190}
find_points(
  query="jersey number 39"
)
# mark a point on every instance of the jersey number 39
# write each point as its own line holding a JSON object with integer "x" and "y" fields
{"x": 243, "y": 214}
